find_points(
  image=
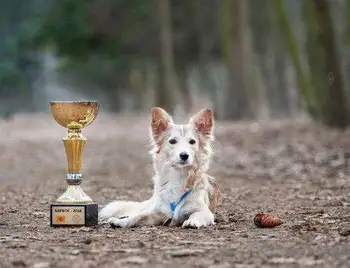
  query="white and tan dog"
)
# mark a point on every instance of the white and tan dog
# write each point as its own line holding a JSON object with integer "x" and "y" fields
{"x": 183, "y": 193}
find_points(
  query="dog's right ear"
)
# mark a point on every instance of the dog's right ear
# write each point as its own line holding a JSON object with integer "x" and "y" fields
{"x": 161, "y": 121}
{"x": 203, "y": 121}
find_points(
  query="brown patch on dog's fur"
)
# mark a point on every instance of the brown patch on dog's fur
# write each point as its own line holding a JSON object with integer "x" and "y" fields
{"x": 196, "y": 177}
{"x": 193, "y": 178}
{"x": 214, "y": 197}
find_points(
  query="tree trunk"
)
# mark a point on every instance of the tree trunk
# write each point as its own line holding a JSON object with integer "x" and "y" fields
{"x": 279, "y": 102}
{"x": 304, "y": 84}
{"x": 347, "y": 44}
{"x": 203, "y": 28}
{"x": 165, "y": 90}
{"x": 260, "y": 34}
{"x": 137, "y": 85}
{"x": 324, "y": 62}
{"x": 234, "y": 42}
{"x": 282, "y": 105}
{"x": 181, "y": 72}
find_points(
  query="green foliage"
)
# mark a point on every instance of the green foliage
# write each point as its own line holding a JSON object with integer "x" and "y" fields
{"x": 67, "y": 28}
{"x": 110, "y": 34}
{"x": 19, "y": 63}
{"x": 79, "y": 28}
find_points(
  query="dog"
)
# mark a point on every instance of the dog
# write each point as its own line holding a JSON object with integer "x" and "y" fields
{"x": 183, "y": 195}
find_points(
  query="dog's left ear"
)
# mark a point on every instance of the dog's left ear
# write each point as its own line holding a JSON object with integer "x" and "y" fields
{"x": 161, "y": 121}
{"x": 203, "y": 121}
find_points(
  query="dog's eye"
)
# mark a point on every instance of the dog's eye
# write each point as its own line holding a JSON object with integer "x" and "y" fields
{"x": 172, "y": 141}
{"x": 192, "y": 142}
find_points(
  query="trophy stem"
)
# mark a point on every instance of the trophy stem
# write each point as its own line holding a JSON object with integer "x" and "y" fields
{"x": 74, "y": 145}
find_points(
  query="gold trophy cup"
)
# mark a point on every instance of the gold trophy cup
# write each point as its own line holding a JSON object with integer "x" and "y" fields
{"x": 74, "y": 207}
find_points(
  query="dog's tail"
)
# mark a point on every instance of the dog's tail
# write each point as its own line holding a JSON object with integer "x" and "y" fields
{"x": 121, "y": 209}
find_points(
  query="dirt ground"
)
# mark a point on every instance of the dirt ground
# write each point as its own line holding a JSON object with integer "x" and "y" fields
{"x": 296, "y": 170}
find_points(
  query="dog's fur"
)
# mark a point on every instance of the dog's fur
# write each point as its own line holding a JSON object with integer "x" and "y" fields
{"x": 173, "y": 176}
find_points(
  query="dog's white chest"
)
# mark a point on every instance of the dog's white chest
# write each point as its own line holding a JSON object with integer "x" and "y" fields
{"x": 170, "y": 191}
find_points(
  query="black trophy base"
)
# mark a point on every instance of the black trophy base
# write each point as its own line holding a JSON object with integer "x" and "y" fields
{"x": 73, "y": 215}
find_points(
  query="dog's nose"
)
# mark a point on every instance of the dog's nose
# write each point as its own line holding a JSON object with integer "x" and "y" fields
{"x": 184, "y": 156}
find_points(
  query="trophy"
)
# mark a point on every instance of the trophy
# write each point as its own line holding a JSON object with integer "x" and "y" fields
{"x": 74, "y": 207}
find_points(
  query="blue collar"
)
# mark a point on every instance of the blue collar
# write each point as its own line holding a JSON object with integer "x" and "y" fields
{"x": 173, "y": 205}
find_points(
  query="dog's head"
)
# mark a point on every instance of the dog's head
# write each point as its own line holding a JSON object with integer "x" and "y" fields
{"x": 182, "y": 146}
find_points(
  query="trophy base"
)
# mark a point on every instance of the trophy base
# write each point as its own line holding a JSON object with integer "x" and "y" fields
{"x": 73, "y": 215}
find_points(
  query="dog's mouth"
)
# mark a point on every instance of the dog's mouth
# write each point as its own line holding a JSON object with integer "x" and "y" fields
{"x": 182, "y": 164}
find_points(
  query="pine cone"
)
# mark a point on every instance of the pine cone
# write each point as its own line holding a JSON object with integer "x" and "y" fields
{"x": 264, "y": 220}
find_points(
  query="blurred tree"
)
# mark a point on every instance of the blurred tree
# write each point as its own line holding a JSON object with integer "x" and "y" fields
{"x": 324, "y": 63}
{"x": 19, "y": 58}
{"x": 234, "y": 40}
{"x": 120, "y": 34}
{"x": 276, "y": 59}
{"x": 195, "y": 45}
{"x": 304, "y": 83}
{"x": 118, "y": 47}
{"x": 105, "y": 33}
{"x": 165, "y": 91}
{"x": 329, "y": 103}
{"x": 137, "y": 85}
{"x": 346, "y": 42}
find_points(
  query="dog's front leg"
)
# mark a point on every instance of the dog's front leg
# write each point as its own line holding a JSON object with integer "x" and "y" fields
{"x": 197, "y": 211}
{"x": 140, "y": 219}
{"x": 198, "y": 219}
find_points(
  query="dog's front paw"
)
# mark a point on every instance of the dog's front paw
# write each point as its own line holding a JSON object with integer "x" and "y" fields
{"x": 199, "y": 220}
{"x": 194, "y": 223}
{"x": 118, "y": 223}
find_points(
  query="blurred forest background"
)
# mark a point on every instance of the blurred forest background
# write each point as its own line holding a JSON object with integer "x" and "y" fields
{"x": 248, "y": 59}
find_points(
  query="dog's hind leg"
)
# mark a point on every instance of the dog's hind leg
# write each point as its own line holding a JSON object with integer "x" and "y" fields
{"x": 120, "y": 209}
